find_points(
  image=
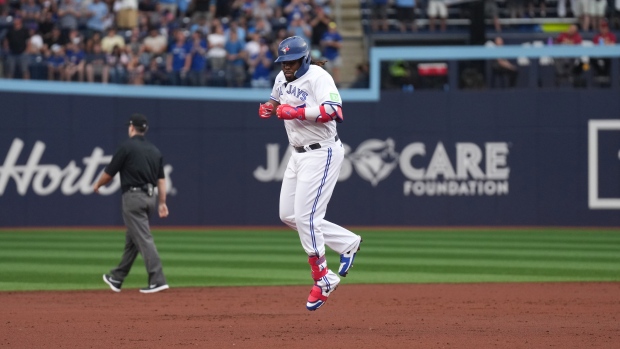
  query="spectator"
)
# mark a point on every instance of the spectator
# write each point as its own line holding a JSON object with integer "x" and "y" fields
{"x": 178, "y": 59}
{"x": 46, "y": 23}
{"x": 379, "y": 14}
{"x": 245, "y": 9}
{"x": 569, "y": 68}
{"x": 148, "y": 15}
{"x": 503, "y": 68}
{"x": 96, "y": 67}
{"x": 36, "y": 51}
{"x": 127, "y": 13}
{"x": 135, "y": 49}
{"x": 262, "y": 27}
{"x": 262, "y": 10}
{"x": 168, "y": 5}
{"x": 235, "y": 65}
{"x": 216, "y": 55}
{"x": 54, "y": 38}
{"x": 154, "y": 74}
{"x": 202, "y": 25}
{"x": 319, "y": 24}
{"x": 56, "y": 63}
{"x": 221, "y": 8}
{"x": 200, "y": 9}
{"x": 597, "y": 12}
{"x": 74, "y": 62}
{"x": 602, "y": 66}
{"x": 97, "y": 13}
{"x": 296, "y": 7}
{"x": 362, "y": 79}
{"x": 580, "y": 9}
{"x": 491, "y": 11}
{"x": 252, "y": 47}
{"x": 234, "y": 26}
{"x": 90, "y": 42}
{"x": 299, "y": 27}
{"x": 437, "y": 8}
{"x": 531, "y": 4}
{"x": 183, "y": 6}
{"x": 516, "y": 8}
{"x": 198, "y": 55}
{"x": 75, "y": 37}
{"x": 154, "y": 45}
{"x": 4, "y": 7}
{"x": 31, "y": 14}
{"x": 331, "y": 43}
{"x": 112, "y": 40}
{"x": 405, "y": 12}
{"x": 260, "y": 66}
{"x": 16, "y": 44}
{"x": 570, "y": 37}
{"x": 604, "y": 36}
{"x": 68, "y": 16}
{"x": 117, "y": 62}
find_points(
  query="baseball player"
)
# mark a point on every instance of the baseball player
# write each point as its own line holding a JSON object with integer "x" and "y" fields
{"x": 305, "y": 97}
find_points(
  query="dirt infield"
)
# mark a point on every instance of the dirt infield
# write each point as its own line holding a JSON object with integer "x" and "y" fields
{"x": 523, "y": 315}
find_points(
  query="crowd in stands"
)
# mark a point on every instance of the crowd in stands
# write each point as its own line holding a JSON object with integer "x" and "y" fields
{"x": 401, "y": 15}
{"x": 161, "y": 42}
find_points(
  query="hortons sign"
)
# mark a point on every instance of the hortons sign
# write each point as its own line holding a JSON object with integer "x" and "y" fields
{"x": 45, "y": 179}
{"x": 464, "y": 169}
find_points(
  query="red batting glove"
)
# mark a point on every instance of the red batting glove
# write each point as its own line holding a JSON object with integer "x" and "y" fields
{"x": 265, "y": 110}
{"x": 288, "y": 112}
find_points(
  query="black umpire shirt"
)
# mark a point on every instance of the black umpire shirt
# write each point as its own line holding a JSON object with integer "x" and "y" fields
{"x": 138, "y": 161}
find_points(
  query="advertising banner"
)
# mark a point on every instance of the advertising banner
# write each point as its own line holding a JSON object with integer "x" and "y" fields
{"x": 490, "y": 158}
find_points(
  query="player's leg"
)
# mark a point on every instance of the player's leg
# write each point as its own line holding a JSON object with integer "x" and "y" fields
{"x": 315, "y": 184}
{"x": 287, "y": 195}
{"x": 343, "y": 241}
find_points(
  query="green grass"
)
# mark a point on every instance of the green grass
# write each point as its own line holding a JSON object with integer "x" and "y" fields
{"x": 71, "y": 260}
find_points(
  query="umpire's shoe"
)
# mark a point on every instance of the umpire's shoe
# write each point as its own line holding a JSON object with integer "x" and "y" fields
{"x": 346, "y": 259}
{"x": 154, "y": 288}
{"x": 115, "y": 285}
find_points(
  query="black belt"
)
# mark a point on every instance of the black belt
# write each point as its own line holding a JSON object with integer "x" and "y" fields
{"x": 147, "y": 188}
{"x": 312, "y": 146}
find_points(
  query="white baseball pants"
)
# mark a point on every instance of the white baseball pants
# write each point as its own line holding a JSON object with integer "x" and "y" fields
{"x": 307, "y": 187}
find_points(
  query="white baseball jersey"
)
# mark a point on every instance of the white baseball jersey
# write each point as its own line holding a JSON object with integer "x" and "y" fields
{"x": 314, "y": 88}
{"x": 311, "y": 174}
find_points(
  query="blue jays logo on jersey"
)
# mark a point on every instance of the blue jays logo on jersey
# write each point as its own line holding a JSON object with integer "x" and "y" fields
{"x": 295, "y": 91}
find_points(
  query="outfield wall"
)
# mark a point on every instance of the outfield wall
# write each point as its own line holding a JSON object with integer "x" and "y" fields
{"x": 518, "y": 158}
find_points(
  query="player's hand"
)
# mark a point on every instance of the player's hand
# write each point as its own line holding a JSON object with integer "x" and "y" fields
{"x": 96, "y": 188}
{"x": 288, "y": 112}
{"x": 163, "y": 210}
{"x": 265, "y": 110}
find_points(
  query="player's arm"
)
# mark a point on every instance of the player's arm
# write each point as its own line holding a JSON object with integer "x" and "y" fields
{"x": 326, "y": 112}
{"x": 267, "y": 109}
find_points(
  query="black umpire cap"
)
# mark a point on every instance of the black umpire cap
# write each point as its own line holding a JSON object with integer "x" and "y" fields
{"x": 138, "y": 120}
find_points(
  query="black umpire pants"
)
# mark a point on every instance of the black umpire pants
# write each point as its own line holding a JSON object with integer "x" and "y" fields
{"x": 137, "y": 208}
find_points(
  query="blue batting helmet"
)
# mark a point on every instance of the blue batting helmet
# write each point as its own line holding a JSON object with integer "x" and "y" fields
{"x": 292, "y": 49}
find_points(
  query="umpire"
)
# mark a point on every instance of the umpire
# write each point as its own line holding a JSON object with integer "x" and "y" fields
{"x": 141, "y": 168}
